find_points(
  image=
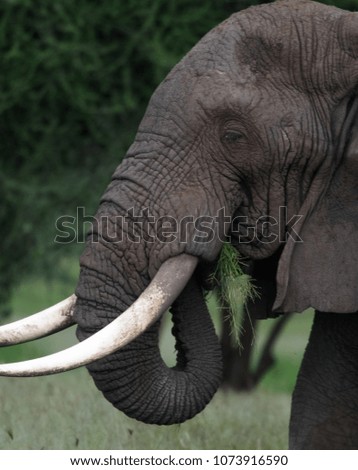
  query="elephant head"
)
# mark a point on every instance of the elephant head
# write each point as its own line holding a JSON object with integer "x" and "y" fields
{"x": 251, "y": 138}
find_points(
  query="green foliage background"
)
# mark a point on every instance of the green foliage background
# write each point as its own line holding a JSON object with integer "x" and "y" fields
{"x": 75, "y": 79}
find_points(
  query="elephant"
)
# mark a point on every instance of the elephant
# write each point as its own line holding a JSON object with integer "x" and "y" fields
{"x": 251, "y": 139}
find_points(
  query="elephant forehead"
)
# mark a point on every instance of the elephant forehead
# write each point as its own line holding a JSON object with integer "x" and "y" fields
{"x": 219, "y": 93}
{"x": 274, "y": 56}
{"x": 294, "y": 42}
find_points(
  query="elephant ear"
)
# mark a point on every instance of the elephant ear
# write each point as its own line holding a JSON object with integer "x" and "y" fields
{"x": 348, "y": 34}
{"x": 321, "y": 269}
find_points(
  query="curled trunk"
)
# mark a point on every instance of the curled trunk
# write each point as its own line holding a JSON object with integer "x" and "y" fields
{"x": 136, "y": 380}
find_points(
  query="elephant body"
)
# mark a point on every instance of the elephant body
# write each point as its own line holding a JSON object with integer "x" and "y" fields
{"x": 261, "y": 115}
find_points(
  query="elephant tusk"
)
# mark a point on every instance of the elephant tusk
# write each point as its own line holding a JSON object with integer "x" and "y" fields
{"x": 165, "y": 287}
{"x": 53, "y": 319}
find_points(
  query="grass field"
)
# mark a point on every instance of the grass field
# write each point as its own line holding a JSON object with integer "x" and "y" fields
{"x": 67, "y": 411}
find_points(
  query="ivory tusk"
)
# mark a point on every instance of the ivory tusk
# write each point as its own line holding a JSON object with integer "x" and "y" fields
{"x": 165, "y": 287}
{"x": 53, "y": 319}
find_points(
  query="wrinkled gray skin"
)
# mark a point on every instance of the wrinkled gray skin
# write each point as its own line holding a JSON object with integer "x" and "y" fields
{"x": 262, "y": 113}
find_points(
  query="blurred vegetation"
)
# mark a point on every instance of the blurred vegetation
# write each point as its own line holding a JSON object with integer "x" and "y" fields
{"x": 68, "y": 413}
{"x": 75, "y": 79}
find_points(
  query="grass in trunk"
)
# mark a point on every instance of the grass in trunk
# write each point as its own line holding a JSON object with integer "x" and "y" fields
{"x": 234, "y": 286}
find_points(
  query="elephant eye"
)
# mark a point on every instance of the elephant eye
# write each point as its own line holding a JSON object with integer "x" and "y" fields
{"x": 232, "y": 137}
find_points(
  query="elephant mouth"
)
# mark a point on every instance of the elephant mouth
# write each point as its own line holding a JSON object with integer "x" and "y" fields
{"x": 163, "y": 290}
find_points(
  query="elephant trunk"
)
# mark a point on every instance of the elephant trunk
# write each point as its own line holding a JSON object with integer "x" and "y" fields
{"x": 136, "y": 380}
{"x": 121, "y": 257}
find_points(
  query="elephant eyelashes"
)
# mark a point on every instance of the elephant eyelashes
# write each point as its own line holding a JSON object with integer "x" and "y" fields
{"x": 232, "y": 137}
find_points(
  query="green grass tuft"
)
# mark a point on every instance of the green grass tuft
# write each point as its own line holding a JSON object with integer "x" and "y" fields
{"x": 234, "y": 286}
